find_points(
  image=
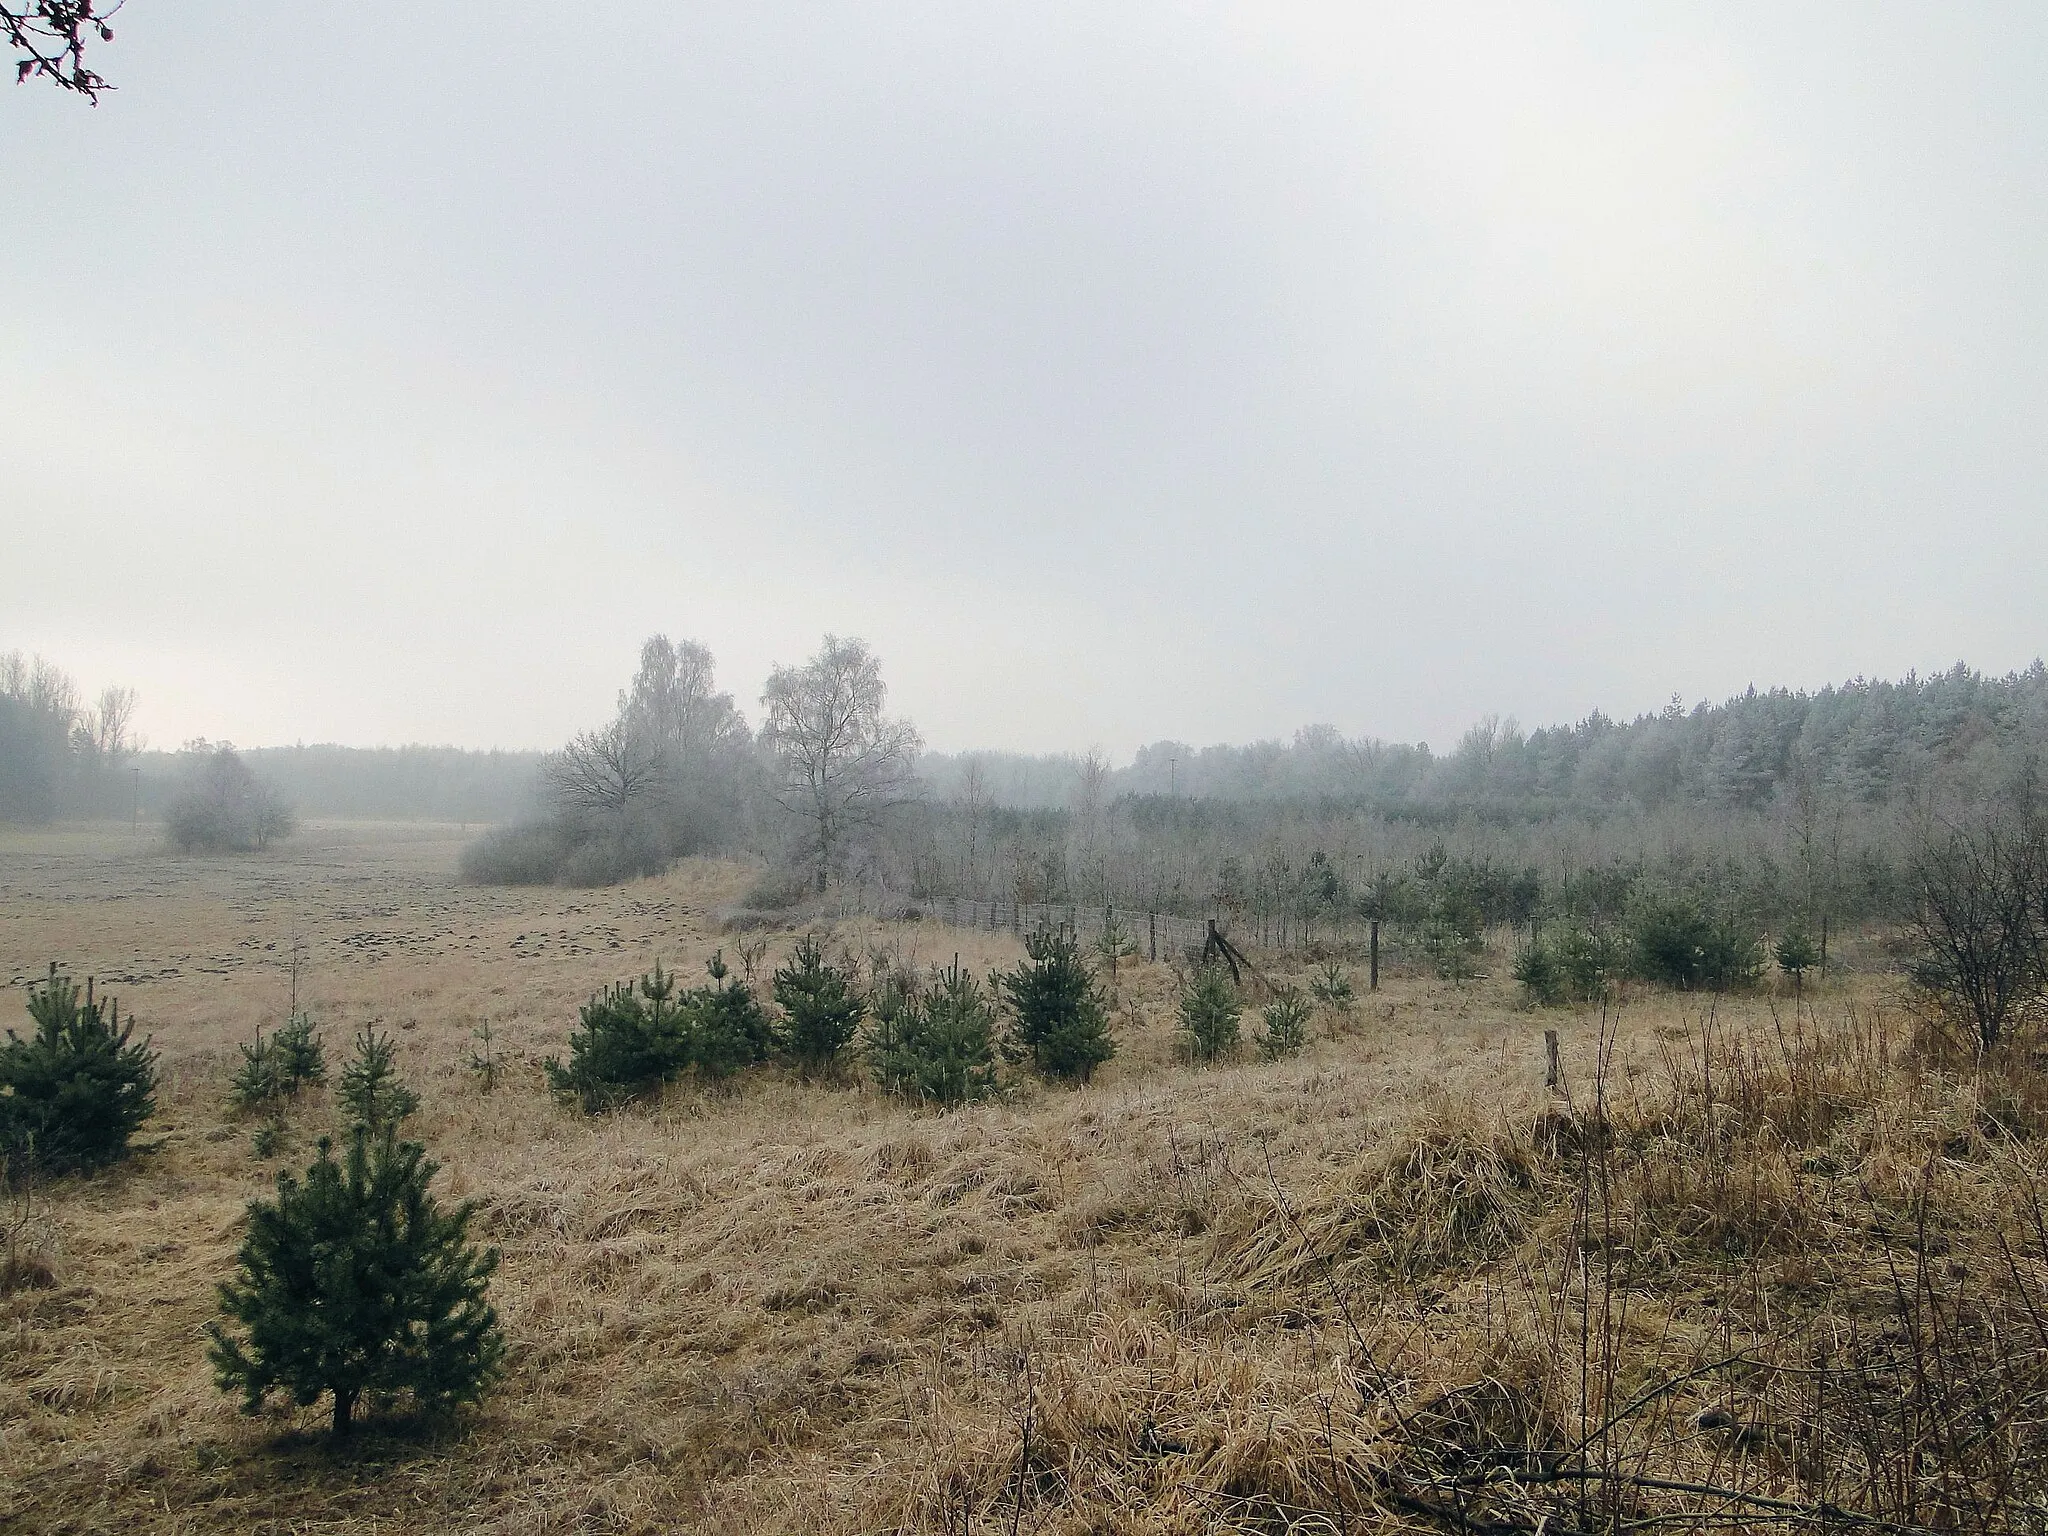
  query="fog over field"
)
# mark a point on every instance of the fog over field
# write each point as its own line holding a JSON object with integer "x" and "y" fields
{"x": 811, "y": 770}
{"x": 1119, "y": 375}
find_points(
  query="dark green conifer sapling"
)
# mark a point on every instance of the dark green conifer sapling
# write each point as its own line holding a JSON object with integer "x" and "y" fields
{"x": 356, "y": 1283}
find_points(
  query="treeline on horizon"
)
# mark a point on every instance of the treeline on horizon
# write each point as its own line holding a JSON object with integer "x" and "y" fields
{"x": 1772, "y": 808}
{"x": 62, "y": 756}
{"x": 1871, "y": 739}
{"x": 1773, "y": 802}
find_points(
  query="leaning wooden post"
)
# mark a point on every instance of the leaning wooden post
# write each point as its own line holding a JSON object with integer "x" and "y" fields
{"x": 1553, "y": 1074}
{"x": 1375, "y": 985}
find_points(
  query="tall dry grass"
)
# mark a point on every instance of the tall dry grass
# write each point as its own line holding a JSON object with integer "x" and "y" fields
{"x": 1764, "y": 1264}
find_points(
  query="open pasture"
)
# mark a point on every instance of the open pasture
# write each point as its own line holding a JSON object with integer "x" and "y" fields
{"x": 782, "y": 1306}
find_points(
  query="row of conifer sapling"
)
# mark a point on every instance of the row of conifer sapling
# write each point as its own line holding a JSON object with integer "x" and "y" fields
{"x": 942, "y": 1038}
{"x": 352, "y": 1282}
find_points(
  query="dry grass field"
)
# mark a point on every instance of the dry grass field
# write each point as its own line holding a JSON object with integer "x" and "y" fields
{"x": 1392, "y": 1279}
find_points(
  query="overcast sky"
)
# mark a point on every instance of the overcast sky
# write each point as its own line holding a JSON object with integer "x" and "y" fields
{"x": 1118, "y": 372}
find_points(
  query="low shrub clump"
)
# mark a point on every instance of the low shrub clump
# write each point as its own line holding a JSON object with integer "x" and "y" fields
{"x": 1672, "y": 940}
{"x": 525, "y": 853}
{"x": 777, "y": 889}
{"x": 222, "y": 806}
{"x": 569, "y": 850}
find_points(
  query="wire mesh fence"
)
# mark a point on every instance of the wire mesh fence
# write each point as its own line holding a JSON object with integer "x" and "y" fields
{"x": 1154, "y": 935}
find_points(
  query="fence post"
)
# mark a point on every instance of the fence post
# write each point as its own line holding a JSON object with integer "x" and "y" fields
{"x": 1375, "y": 956}
{"x": 1551, "y": 1073}
{"x": 1152, "y": 921}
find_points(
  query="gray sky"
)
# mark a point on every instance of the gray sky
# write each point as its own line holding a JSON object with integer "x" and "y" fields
{"x": 1118, "y": 372}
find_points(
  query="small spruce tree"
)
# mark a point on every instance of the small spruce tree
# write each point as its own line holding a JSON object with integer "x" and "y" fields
{"x": 72, "y": 1093}
{"x": 1796, "y": 953}
{"x": 1541, "y": 974}
{"x": 302, "y": 1058}
{"x": 728, "y": 1029}
{"x": 275, "y": 1067}
{"x": 937, "y": 1045}
{"x": 1332, "y": 988}
{"x": 1114, "y": 945}
{"x": 1453, "y": 939}
{"x": 371, "y": 1090}
{"x": 1286, "y": 1030}
{"x": 484, "y": 1060}
{"x": 1589, "y": 960}
{"x": 1209, "y": 1013}
{"x": 629, "y": 1043}
{"x": 821, "y": 1009}
{"x": 355, "y": 1282}
{"x": 258, "y": 1082}
{"x": 1059, "y": 1018}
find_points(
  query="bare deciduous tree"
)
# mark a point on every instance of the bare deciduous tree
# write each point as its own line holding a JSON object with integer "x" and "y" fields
{"x": 105, "y": 727}
{"x": 674, "y": 703}
{"x": 1087, "y": 802}
{"x": 975, "y": 802}
{"x": 1980, "y": 914}
{"x": 222, "y": 806}
{"x": 49, "y": 39}
{"x": 607, "y": 770}
{"x": 842, "y": 761}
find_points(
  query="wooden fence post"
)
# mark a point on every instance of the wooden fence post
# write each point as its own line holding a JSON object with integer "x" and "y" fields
{"x": 1375, "y": 986}
{"x": 1552, "y": 1073}
{"x": 1152, "y": 921}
